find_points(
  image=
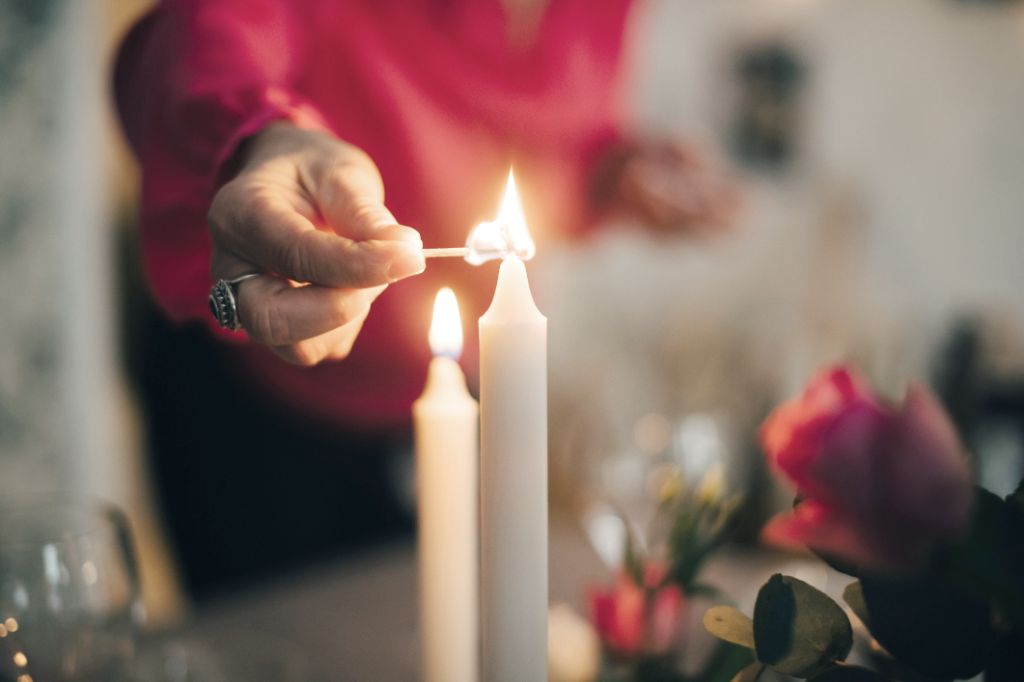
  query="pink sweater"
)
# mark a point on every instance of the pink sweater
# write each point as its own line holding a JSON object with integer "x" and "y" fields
{"x": 433, "y": 90}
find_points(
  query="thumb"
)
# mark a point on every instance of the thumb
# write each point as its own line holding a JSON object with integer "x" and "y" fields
{"x": 351, "y": 200}
{"x": 363, "y": 219}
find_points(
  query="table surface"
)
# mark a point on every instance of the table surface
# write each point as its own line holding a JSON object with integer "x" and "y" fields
{"x": 357, "y": 620}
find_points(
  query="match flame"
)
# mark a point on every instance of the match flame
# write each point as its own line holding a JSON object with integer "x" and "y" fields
{"x": 507, "y": 236}
{"x": 446, "y": 327}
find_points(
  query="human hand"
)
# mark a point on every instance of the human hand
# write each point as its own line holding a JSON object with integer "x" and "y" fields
{"x": 307, "y": 210}
{"x": 672, "y": 187}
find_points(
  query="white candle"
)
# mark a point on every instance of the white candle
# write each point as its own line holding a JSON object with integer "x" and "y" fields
{"x": 513, "y": 482}
{"x": 445, "y": 420}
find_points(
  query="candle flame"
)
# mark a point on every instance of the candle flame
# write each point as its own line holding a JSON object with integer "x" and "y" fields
{"x": 446, "y": 327}
{"x": 508, "y": 235}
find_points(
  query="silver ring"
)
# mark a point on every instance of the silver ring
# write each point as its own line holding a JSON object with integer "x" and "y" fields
{"x": 223, "y": 301}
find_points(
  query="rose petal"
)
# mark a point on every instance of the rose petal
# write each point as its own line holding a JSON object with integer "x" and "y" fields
{"x": 825, "y": 396}
{"x": 627, "y": 634}
{"x": 844, "y": 475}
{"x": 666, "y": 608}
{"x": 927, "y": 480}
{"x": 602, "y": 612}
{"x": 813, "y": 525}
{"x": 778, "y": 427}
{"x": 880, "y": 487}
{"x": 848, "y": 382}
{"x": 806, "y": 440}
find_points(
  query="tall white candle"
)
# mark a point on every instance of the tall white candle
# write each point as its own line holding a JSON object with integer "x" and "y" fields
{"x": 513, "y": 482}
{"x": 445, "y": 420}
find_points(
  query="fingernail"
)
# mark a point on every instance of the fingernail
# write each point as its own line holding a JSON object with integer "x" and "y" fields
{"x": 400, "y": 233}
{"x": 409, "y": 235}
{"x": 406, "y": 264}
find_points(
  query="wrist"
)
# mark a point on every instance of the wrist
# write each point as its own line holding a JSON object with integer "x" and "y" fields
{"x": 272, "y": 140}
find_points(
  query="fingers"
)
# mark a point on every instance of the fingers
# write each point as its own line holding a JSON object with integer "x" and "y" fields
{"x": 308, "y": 209}
{"x": 263, "y": 228}
{"x": 334, "y": 345}
{"x": 277, "y": 313}
{"x": 671, "y": 197}
{"x": 341, "y": 340}
{"x": 270, "y": 215}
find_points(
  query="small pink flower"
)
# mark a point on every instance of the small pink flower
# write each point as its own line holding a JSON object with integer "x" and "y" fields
{"x": 633, "y": 620}
{"x": 879, "y": 486}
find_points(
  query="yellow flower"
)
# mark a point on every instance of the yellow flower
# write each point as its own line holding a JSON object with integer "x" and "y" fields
{"x": 711, "y": 486}
{"x": 671, "y": 487}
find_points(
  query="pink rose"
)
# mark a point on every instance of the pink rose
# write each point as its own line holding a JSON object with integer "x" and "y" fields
{"x": 879, "y": 486}
{"x": 633, "y": 620}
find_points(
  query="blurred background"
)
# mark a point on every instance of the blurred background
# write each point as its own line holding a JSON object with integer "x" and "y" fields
{"x": 881, "y": 153}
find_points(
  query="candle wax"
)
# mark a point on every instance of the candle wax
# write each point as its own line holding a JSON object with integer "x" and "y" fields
{"x": 513, "y": 482}
{"x": 446, "y": 419}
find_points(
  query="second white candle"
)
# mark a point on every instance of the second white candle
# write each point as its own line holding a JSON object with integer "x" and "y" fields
{"x": 446, "y": 472}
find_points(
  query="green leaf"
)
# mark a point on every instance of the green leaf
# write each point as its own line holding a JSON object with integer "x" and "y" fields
{"x": 928, "y": 626}
{"x": 853, "y": 595}
{"x": 1016, "y": 498}
{"x": 799, "y": 630}
{"x": 750, "y": 673}
{"x": 988, "y": 562}
{"x": 684, "y": 547}
{"x": 730, "y": 624}
{"x": 849, "y": 673}
{"x": 694, "y": 533}
{"x": 631, "y": 560}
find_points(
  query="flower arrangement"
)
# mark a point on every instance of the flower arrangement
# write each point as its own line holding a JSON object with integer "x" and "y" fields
{"x": 638, "y": 617}
{"x": 884, "y": 494}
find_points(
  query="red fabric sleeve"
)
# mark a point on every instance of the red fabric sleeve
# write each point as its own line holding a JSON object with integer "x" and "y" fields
{"x": 192, "y": 80}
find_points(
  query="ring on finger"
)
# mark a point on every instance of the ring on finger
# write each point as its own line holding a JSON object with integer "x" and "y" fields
{"x": 223, "y": 301}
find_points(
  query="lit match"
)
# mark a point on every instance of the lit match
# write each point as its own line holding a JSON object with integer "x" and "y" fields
{"x": 458, "y": 252}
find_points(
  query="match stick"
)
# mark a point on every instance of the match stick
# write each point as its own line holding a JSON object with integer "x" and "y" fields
{"x": 460, "y": 252}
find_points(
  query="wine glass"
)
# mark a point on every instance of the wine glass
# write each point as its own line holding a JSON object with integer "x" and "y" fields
{"x": 69, "y": 591}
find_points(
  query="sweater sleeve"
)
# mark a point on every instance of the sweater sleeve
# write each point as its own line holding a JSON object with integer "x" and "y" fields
{"x": 192, "y": 80}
